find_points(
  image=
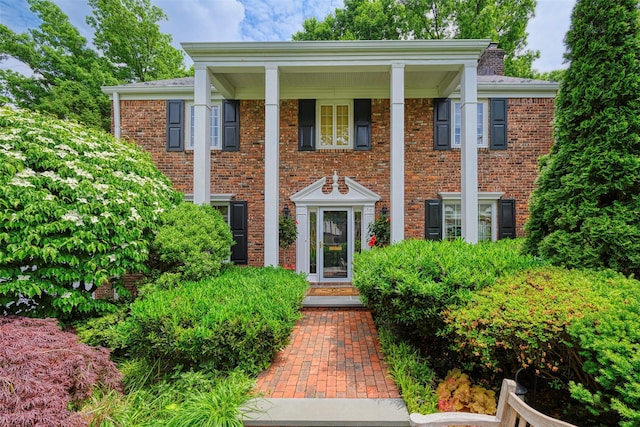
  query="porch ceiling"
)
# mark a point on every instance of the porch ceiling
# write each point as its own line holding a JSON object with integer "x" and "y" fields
{"x": 336, "y": 69}
{"x": 329, "y": 83}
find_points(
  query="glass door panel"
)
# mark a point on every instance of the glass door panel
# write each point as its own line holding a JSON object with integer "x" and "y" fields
{"x": 335, "y": 244}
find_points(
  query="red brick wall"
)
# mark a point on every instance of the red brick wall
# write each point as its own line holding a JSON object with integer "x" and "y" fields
{"x": 427, "y": 172}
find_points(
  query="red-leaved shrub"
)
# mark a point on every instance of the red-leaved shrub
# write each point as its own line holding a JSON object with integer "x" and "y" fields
{"x": 43, "y": 370}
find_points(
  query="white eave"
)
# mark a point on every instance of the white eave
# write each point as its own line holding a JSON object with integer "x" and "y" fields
{"x": 330, "y": 69}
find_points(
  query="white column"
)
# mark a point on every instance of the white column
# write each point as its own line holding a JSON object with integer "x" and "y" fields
{"x": 469, "y": 153}
{"x": 271, "y": 164}
{"x": 397, "y": 153}
{"x": 201, "y": 136}
{"x": 116, "y": 114}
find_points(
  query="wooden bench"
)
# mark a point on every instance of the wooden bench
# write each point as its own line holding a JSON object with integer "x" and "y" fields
{"x": 512, "y": 412}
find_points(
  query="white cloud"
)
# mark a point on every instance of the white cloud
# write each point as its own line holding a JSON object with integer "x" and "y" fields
{"x": 202, "y": 20}
{"x": 547, "y": 30}
{"x": 274, "y": 20}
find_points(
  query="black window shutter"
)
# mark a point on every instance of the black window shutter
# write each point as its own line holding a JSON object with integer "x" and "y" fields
{"x": 175, "y": 125}
{"x": 362, "y": 122}
{"x": 441, "y": 124}
{"x": 239, "y": 227}
{"x": 433, "y": 219}
{"x": 230, "y": 125}
{"x": 498, "y": 125}
{"x": 506, "y": 219}
{"x": 306, "y": 124}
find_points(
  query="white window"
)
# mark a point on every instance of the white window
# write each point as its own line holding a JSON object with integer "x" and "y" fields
{"x": 487, "y": 216}
{"x": 219, "y": 202}
{"x": 215, "y": 126}
{"x": 481, "y": 132}
{"x": 334, "y": 124}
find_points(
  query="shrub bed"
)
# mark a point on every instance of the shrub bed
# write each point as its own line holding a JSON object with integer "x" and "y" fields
{"x": 411, "y": 283}
{"x": 44, "y": 371}
{"x": 239, "y": 319}
{"x": 566, "y": 325}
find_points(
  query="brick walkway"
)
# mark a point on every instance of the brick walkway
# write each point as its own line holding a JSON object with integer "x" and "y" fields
{"x": 334, "y": 353}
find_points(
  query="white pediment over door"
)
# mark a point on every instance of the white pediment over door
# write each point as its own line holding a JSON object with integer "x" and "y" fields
{"x": 313, "y": 199}
{"x": 357, "y": 194}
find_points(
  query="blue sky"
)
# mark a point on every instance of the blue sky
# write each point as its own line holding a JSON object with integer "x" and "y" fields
{"x": 271, "y": 20}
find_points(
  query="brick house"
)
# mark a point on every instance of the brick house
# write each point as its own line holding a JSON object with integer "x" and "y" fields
{"x": 337, "y": 132}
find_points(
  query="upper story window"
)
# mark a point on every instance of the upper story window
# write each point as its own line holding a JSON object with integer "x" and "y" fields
{"x": 481, "y": 132}
{"x": 215, "y": 126}
{"x": 334, "y": 119}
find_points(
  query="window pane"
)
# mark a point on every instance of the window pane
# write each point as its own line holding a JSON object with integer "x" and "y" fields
{"x": 342, "y": 126}
{"x": 312, "y": 242}
{"x": 192, "y": 126}
{"x": 485, "y": 216}
{"x": 326, "y": 125}
{"x": 357, "y": 231}
{"x": 457, "y": 114}
{"x": 457, "y": 120}
{"x": 215, "y": 126}
{"x": 452, "y": 220}
{"x": 224, "y": 211}
{"x": 480, "y": 124}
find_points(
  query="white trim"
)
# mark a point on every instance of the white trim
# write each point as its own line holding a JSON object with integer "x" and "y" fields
{"x": 116, "y": 115}
{"x": 215, "y": 198}
{"x": 482, "y": 195}
{"x": 312, "y": 198}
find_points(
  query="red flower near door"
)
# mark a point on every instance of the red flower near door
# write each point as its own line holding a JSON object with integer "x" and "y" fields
{"x": 372, "y": 241}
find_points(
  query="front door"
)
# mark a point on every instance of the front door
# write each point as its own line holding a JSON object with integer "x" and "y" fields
{"x": 335, "y": 241}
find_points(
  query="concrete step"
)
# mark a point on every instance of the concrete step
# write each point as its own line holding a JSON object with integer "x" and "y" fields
{"x": 326, "y": 412}
{"x": 332, "y": 302}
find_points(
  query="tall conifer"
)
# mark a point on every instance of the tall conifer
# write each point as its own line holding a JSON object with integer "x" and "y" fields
{"x": 586, "y": 209}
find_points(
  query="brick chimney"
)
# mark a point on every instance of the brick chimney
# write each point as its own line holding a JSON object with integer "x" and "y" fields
{"x": 491, "y": 63}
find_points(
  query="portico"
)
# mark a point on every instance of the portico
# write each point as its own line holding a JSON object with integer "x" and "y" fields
{"x": 330, "y": 70}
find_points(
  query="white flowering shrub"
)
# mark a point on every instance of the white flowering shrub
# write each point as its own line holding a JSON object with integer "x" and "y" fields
{"x": 77, "y": 208}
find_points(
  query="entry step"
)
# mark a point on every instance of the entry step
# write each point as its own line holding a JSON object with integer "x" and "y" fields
{"x": 326, "y": 412}
{"x": 332, "y": 302}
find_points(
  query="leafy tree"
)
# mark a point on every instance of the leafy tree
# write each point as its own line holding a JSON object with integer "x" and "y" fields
{"x": 553, "y": 75}
{"x": 502, "y": 20}
{"x": 586, "y": 209}
{"x": 128, "y": 34}
{"x": 67, "y": 74}
{"x": 77, "y": 208}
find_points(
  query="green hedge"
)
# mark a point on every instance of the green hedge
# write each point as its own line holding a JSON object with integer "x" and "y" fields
{"x": 193, "y": 242}
{"x": 522, "y": 320}
{"x": 411, "y": 283}
{"x": 577, "y": 326}
{"x": 239, "y": 319}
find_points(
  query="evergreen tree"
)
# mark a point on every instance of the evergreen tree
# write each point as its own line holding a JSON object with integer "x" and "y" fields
{"x": 586, "y": 209}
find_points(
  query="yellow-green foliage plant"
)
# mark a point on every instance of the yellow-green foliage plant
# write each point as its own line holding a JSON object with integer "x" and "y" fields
{"x": 457, "y": 394}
